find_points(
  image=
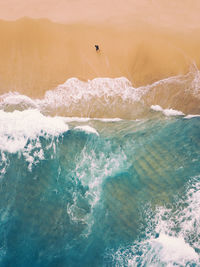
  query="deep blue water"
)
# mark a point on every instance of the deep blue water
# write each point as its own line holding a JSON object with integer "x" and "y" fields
{"x": 119, "y": 198}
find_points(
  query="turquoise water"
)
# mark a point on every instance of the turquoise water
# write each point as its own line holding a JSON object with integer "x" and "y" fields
{"x": 113, "y": 193}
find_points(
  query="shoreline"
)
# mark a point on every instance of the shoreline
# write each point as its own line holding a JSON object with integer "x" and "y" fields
{"x": 38, "y": 54}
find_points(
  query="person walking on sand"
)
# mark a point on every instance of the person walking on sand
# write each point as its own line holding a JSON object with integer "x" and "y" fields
{"x": 97, "y": 48}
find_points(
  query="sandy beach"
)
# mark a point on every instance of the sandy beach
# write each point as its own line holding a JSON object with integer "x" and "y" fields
{"x": 144, "y": 42}
{"x": 99, "y": 149}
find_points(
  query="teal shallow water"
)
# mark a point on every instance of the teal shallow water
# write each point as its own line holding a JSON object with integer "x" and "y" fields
{"x": 121, "y": 193}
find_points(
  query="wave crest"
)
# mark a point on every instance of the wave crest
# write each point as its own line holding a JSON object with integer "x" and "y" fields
{"x": 113, "y": 97}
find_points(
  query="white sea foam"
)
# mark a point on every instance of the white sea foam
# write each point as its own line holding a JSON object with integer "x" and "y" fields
{"x": 175, "y": 249}
{"x": 75, "y": 119}
{"x": 74, "y": 90}
{"x": 78, "y": 98}
{"x": 87, "y": 129}
{"x": 186, "y": 217}
{"x": 162, "y": 251}
{"x": 14, "y": 99}
{"x": 191, "y": 116}
{"x": 19, "y": 126}
{"x": 167, "y": 112}
{"x": 103, "y": 96}
{"x": 3, "y": 163}
{"x": 95, "y": 98}
{"x": 92, "y": 168}
{"x": 177, "y": 242}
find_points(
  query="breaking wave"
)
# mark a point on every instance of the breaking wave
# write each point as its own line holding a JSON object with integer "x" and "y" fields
{"x": 171, "y": 237}
{"x": 114, "y": 98}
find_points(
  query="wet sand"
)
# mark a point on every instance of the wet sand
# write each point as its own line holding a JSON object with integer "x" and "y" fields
{"x": 38, "y": 54}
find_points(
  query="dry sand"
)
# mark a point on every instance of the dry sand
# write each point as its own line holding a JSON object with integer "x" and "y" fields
{"x": 177, "y": 13}
{"x": 144, "y": 41}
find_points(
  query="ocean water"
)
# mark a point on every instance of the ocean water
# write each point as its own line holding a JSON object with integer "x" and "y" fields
{"x": 94, "y": 174}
